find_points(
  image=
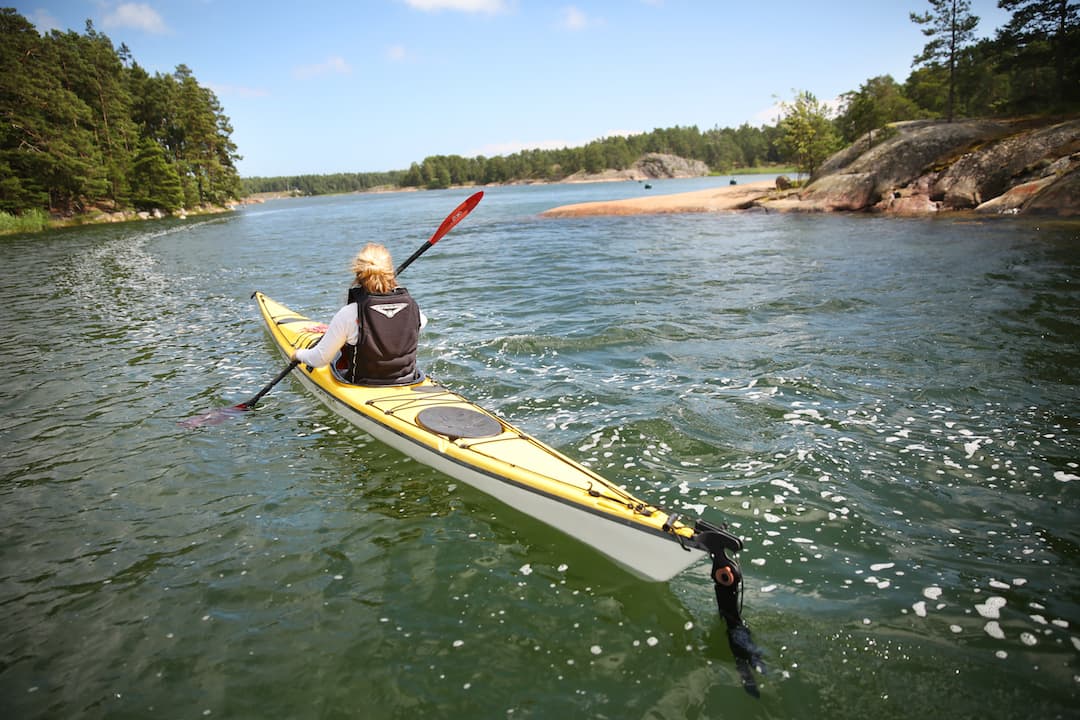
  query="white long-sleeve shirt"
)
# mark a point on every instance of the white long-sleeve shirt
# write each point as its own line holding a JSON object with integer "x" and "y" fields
{"x": 343, "y": 328}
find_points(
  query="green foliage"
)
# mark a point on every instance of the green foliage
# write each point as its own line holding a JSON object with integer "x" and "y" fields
{"x": 76, "y": 118}
{"x": 82, "y": 124}
{"x": 155, "y": 180}
{"x": 807, "y": 135}
{"x": 1044, "y": 35}
{"x": 950, "y": 27}
{"x": 324, "y": 184}
{"x": 722, "y": 150}
{"x": 878, "y": 102}
{"x": 30, "y": 221}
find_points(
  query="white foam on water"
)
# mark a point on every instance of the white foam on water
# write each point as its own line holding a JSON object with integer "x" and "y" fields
{"x": 993, "y": 629}
{"x": 786, "y": 485}
{"x": 920, "y": 608}
{"x": 992, "y": 607}
{"x": 932, "y": 593}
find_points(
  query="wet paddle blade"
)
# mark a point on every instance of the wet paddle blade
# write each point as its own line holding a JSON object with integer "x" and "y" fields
{"x": 215, "y": 417}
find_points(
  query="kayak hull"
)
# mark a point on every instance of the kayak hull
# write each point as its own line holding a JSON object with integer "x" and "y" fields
{"x": 443, "y": 430}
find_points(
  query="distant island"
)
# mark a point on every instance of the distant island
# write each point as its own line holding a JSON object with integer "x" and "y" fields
{"x": 990, "y": 167}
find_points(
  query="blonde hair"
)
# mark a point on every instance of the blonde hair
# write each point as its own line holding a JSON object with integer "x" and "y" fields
{"x": 374, "y": 269}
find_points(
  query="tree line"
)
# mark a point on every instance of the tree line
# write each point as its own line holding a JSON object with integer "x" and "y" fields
{"x": 84, "y": 126}
{"x": 721, "y": 149}
{"x": 1029, "y": 67}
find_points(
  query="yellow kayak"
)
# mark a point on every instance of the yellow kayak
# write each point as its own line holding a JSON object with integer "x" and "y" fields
{"x": 442, "y": 429}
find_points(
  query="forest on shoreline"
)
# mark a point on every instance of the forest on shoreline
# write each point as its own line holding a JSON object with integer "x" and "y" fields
{"x": 1025, "y": 69}
{"x": 85, "y": 130}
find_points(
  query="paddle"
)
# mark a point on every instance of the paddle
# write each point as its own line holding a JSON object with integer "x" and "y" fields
{"x": 215, "y": 417}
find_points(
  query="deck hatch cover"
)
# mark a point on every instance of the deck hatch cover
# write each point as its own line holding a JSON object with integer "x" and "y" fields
{"x": 458, "y": 422}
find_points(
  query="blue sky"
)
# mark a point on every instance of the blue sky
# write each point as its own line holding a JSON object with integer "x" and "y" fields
{"x": 320, "y": 86}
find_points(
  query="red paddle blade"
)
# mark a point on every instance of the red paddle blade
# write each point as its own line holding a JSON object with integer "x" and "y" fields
{"x": 451, "y": 220}
{"x": 456, "y": 216}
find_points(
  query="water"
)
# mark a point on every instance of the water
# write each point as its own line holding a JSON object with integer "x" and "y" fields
{"x": 886, "y": 410}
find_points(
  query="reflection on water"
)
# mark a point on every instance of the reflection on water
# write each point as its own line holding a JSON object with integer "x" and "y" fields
{"x": 885, "y": 410}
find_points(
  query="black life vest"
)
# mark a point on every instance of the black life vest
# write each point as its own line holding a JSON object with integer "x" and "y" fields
{"x": 389, "y": 330}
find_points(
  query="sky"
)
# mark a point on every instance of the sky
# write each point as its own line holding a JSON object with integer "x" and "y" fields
{"x": 327, "y": 86}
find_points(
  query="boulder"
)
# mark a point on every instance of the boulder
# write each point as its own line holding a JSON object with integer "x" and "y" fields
{"x": 908, "y": 205}
{"x": 928, "y": 166}
{"x": 992, "y": 169}
{"x": 1061, "y": 197}
{"x": 918, "y": 147}
{"x": 659, "y": 165}
{"x": 844, "y": 191}
{"x": 1014, "y": 199}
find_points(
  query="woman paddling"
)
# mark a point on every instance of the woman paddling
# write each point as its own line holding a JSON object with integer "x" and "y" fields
{"x": 376, "y": 332}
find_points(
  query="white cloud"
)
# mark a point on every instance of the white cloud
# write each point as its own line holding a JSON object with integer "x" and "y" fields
{"x": 396, "y": 53}
{"x": 333, "y": 65}
{"x": 772, "y": 114}
{"x": 574, "y": 19}
{"x": 43, "y": 21}
{"x": 769, "y": 115}
{"x": 622, "y": 133}
{"x": 486, "y": 6}
{"x": 139, "y": 16}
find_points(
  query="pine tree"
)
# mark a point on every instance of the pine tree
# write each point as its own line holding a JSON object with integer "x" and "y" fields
{"x": 155, "y": 181}
{"x": 950, "y": 27}
{"x": 1047, "y": 32}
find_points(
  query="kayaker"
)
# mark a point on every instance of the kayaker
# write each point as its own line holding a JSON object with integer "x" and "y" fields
{"x": 376, "y": 332}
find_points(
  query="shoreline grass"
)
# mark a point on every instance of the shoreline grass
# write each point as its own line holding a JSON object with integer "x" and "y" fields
{"x": 29, "y": 221}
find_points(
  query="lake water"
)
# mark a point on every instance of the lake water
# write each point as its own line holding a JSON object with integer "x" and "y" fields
{"x": 886, "y": 410}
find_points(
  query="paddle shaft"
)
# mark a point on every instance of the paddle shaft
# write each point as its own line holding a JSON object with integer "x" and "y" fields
{"x": 451, "y": 220}
{"x": 250, "y": 403}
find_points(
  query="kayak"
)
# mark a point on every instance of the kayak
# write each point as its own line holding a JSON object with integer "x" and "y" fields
{"x": 439, "y": 428}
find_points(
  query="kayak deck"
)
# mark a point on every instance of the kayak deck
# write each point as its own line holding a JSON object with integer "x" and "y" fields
{"x": 440, "y": 428}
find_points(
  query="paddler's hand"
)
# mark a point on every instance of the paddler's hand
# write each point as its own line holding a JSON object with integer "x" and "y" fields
{"x": 292, "y": 355}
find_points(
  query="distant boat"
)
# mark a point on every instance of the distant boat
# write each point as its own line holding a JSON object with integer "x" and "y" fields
{"x": 648, "y": 186}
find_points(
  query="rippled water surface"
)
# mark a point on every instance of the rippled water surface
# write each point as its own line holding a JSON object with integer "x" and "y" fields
{"x": 886, "y": 410}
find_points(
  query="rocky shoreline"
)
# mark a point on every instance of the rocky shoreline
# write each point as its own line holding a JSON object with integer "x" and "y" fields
{"x": 991, "y": 167}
